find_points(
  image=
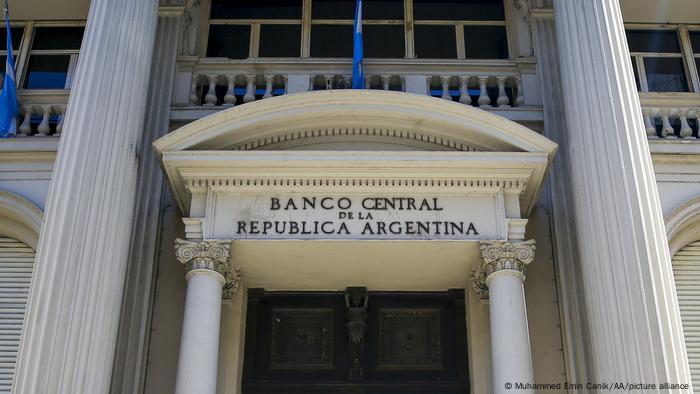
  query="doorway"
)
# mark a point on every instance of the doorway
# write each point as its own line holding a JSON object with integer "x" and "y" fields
{"x": 355, "y": 341}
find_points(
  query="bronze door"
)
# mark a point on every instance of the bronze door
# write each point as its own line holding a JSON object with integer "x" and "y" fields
{"x": 355, "y": 342}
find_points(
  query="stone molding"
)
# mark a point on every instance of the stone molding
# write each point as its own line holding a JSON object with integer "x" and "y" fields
{"x": 501, "y": 255}
{"x": 20, "y": 218}
{"x": 211, "y": 256}
{"x": 682, "y": 225}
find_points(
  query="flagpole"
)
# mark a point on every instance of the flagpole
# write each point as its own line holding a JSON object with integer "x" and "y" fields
{"x": 358, "y": 77}
{"x": 9, "y": 108}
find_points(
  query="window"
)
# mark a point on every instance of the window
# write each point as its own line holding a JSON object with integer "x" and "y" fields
{"x": 695, "y": 44}
{"x": 392, "y": 29}
{"x": 460, "y": 29}
{"x": 16, "y": 33}
{"x": 382, "y": 28}
{"x": 255, "y": 28}
{"x": 53, "y": 57}
{"x": 658, "y": 60}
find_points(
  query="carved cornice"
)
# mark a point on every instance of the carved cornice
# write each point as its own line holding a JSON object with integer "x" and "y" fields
{"x": 501, "y": 255}
{"x": 209, "y": 256}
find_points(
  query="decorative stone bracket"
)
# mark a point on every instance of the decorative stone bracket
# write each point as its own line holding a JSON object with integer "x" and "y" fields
{"x": 501, "y": 255}
{"x": 212, "y": 257}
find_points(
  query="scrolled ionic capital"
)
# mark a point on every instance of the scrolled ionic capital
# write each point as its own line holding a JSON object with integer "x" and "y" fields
{"x": 209, "y": 257}
{"x": 502, "y": 255}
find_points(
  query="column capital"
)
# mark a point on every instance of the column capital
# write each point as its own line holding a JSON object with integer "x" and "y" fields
{"x": 211, "y": 257}
{"x": 502, "y": 255}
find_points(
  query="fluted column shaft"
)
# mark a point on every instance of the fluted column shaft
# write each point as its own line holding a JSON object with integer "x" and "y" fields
{"x": 560, "y": 187}
{"x": 501, "y": 276}
{"x": 208, "y": 274}
{"x": 130, "y": 360}
{"x": 73, "y": 312}
{"x": 633, "y": 316}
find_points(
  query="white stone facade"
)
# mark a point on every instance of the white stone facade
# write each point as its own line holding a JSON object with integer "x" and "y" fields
{"x": 553, "y": 185}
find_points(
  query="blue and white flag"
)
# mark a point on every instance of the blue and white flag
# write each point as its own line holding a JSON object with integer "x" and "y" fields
{"x": 358, "y": 75}
{"x": 8, "y": 97}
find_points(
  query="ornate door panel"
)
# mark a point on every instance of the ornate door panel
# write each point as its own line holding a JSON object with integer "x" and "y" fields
{"x": 356, "y": 342}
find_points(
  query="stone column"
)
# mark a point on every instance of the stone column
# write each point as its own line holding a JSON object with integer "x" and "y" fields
{"x": 560, "y": 192}
{"x": 208, "y": 276}
{"x": 633, "y": 316}
{"x": 73, "y": 312}
{"x": 129, "y": 370}
{"x": 501, "y": 275}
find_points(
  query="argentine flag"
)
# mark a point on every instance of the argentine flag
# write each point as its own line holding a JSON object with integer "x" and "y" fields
{"x": 8, "y": 97}
{"x": 358, "y": 76}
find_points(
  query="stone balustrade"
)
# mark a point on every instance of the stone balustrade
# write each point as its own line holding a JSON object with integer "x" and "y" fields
{"x": 482, "y": 90}
{"x": 671, "y": 116}
{"x": 509, "y": 88}
{"x": 41, "y": 120}
{"x": 231, "y": 89}
{"x": 672, "y": 122}
{"x": 381, "y": 82}
{"x": 41, "y": 113}
{"x": 479, "y": 90}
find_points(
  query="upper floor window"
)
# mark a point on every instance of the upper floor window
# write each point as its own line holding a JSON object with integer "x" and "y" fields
{"x": 695, "y": 44}
{"x": 472, "y": 29}
{"x": 53, "y": 57}
{"x": 382, "y": 28}
{"x": 255, "y": 28}
{"x": 16, "y": 33}
{"x": 659, "y": 59}
{"x": 428, "y": 29}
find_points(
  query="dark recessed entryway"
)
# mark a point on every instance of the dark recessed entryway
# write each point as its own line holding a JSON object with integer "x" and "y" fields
{"x": 355, "y": 342}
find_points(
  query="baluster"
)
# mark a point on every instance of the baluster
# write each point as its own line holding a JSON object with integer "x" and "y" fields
{"x": 269, "y": 80}
{"x": 329, "y": 81}
{"x": 230, "y": 97}
{"x": 464, "y": 91}
{"x": 519, "y": 99}
{"x": 502, "y": 100}
{"x": 285, "y": 79}
{"x": 210, "y": 98}
{"x": 368, "y": 82}
{"x": 484, "y": 99}
{"x": 347, "y": 81}
{"x": 312, "y": 83}
{"x": 445, "y": 82}
{"x": 403, "y": 83}
{"x": 61, "y": 111}
{"x": 194, "y": 98}
{"x": 386, "y": 80}
{"x": 25, "y": 129}
{"x": 686, "y": 131}
{"x": 648, "y": 123}
{"x": 249, "y": 89}
{"x": 666, "y": 129}
{"x": 44, "y": 129}
{"x": 428, "y": 82}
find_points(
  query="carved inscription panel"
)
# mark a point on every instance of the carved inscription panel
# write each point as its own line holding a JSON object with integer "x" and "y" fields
{"x": 355, "y": 216}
